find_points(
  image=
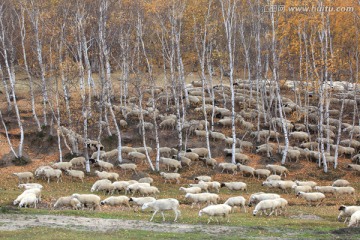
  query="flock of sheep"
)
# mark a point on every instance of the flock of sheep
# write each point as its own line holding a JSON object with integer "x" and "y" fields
{"x": 304, "y": 142}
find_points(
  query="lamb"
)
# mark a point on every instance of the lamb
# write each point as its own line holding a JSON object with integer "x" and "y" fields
{"x": 197, "y": 198}
{"x": 325, "y": 189}
{"x": 347, "y": 211}
{"x": 171, "y": 163}
{"x": 148, "y": 190}
{"x": 355, "y": 219}
{"x": 163, "y": 205}
{"x": 298, "y": 189}
{"x": 202, "y": 152}
{"x": 30, "y": 185}
{"x": 78, "y": 161}
{"x": 27, "y": 200}
{"x": 107, "y": 175}
{"x": 98, "y": 183}
{"x": 62, "y": 165}
{"x": 138, "y": 202}
{"x": 203, "y": 178}
{"x": 134, "y": 188}
{"x": 136, "y": 156}
{"x": 171, "y": 176}
{"x": 306, "y": 183}
{"x": 88, "y": 200}
{"x": 217, "y": 136}
{"x": 228, "y": 167}
{"x": 262, "y": 173}
{"x": 76, "y": 174}
{"x": 256, "y": 198}
{"x": 209, "y": 162}
{"x": 246, "y": 169}
{"x": 68, "y": 201}
{"x": 190, "y": 189}
{"x": 116, "y": 201}
{"x": 344, "y": 190}
{"x": 234, "y": 186}
{"x": 216, "y": 210}
{"x": 278, "y": 169}
{"x": 24, "y": 176}
{"x": 236, "y": 201}
{"x": 146, "y": 180}
{"x": 312, "y": 197}
{"x": 341, "y": 183}
{"x": 128, "y": 166}
{"x": 105, "y": 165}
{"x": 273, "y": 177}
{"x": 269, "y": 204}
{"x": 51, "y": 173}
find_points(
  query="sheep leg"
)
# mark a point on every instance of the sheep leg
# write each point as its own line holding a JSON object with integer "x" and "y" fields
{"x": 153, "y": 215}
{"x": 244, "y": 208}
{"x": 162, "y": 213}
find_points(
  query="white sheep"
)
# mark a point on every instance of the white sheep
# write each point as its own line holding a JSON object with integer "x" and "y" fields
{"x": 168, "y": 123}
{"x": 138, "y": 202}
{"x": 27, "y": 200}
{"x": 76, "y": 174}
{"x": 355, "y": 219}
{"x": 62, "y": 165}
{"x": 202, "y": 152}
{"x": 51, "y": 173}
{"x": 171, "y": 163}
{"x": 98, "y": 183}
{"x": 347, "y": 211}
{"x": 30, "y": 185}
{"x": 299, "y": 136}
{"x": 88, "y": 200}
{"x": 257, "y": 197}
{"x": 262, "y": 173}
{"x": 95, "y": 155}
{"x": 214, "y": 185}
{"x": 285, "y": 185}
{"x": 120, "y": 185}
{"x": 217, "y": 136}
{"x": 165, "y": 151}
{"x": 110, "y": 154}
{"x": 163, "y": 205}
{"x": 116, "y": 201}
{"x": 216, "y": 210}
{"x": 136, "y": 156}
{"x": 235, "y": 186}
{"x": 228, "y": 167}
{"x": 68, "y": 201}
{"x": 107, "y": 175}
{"x": 143, "y": 150}
{"x": 341, "y": 183}
{"x": 134, "y": 188}
{"x": 273, "y": 177}
{"x": 78, "y": 161}
{"x": 325, "y": 189}
{"x": 171, "y": 176}
{"x": 203, "y": 186}
{"x": 198, "y": 198}
{"x": 339, "y": 191}
{"x": 312, "y": 197}
{"x": 106, "y": 187}
{"x": 128, "y": 166}
{"x": 36, "y": 191}
{"x": 246, "y": 169}
{"x": 306, "y": 183}
{"x": 190, "y": 155}
{"x": 278, "y": 169}
{"x": 264, "y": 205}
{"x": 203, "y": 178}
{"x": 304, "y": 188}
{"x": 146, "y": 180}
{"x": 238, "y": 201}
{"x": 105, "y": 165}
{"x": 209, "y": 162}
{"x": 149, "y": 190}
{"x": 24, "y": 176}
{"x": 190, "y": 189}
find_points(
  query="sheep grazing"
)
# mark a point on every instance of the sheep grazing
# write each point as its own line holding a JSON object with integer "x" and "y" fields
{"x": 292, "y": 154}
{"x": 209, "y": 162}
{"x": 24, "y": 176}
{"x": 106, "y": 187}
{"x": 35, "y": 191}
{"x": 203, "y": 178}
{"x": 212, "y": 185}
{"x": 98, "y": 183}
{"x": 340, "y": 191}
{"x": 51, "y": 173}
{"x": 355, "y": 219}
{"x": 62, "y": 165}
{"x": 30, "y": 185}
{"x": 105, "y": 165}
{"x": 68, "y": 201}
{"x": 128, "y": 166}
{"x": 246, "y": 170}
{"x": 76, "y": 174}
{"x": 200, "y": 133}
{"x": 142, "y": 150}
{"x": 257, "y": 197}
{"x": 138, "y": 202}
{"x": 347, "y": 211}
{"x": 341, "y": 183}
{"x": 190, "y": 155}
{"x": 298, "y": 189}
{"x": 134, "y": 188}
{"x": 299, "y": 136}
{"x": 94, "y": 156}
{"x": 241, "y": 158}
{"x": 107, "y": 175}
{"x": 88, "y": 200}
{"x": 163, "y": 205}
{"x": 116, "y": 201}
{"x": 202, "y": 185}
{"x": 356, "y": 167}
{"x": 202, "y": 152}
{"x": 235, "y": 186}
{"x": 198, "y": 198}
{"x": 238, "y": 201}
{"x": 168, "y": 124}
{"x": 273, "y": 177}
{"x": 135, "y": 156}
{"x": 146, "y": 180}
{"x": 190, "y": 189}
{"x": 312, "y": 197}
{"x": 325, "y": 189}
{"x": 217, "y": 136}
{"x": 165, "y": 151}
{"x": 28, "y": 200}
{"x": 228, "y": 167}
{"x": 264, "y": 205}
{"x": 120, "y": 185}
{"x": 149, "y": 190}
{"x": 78, "y": 161}
{"x": 216, "y": 210}
{"x": 171, "y": 163}
{"x": 306, "y": 183}
{"x": 171, "y": 176}
{"x": 285, "y": 185}
{"x": 278, "y": 169}
{"x": 262, "y": 173}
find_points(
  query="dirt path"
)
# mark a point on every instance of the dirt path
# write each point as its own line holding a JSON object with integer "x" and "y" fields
{"x": 13, "y": 222}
